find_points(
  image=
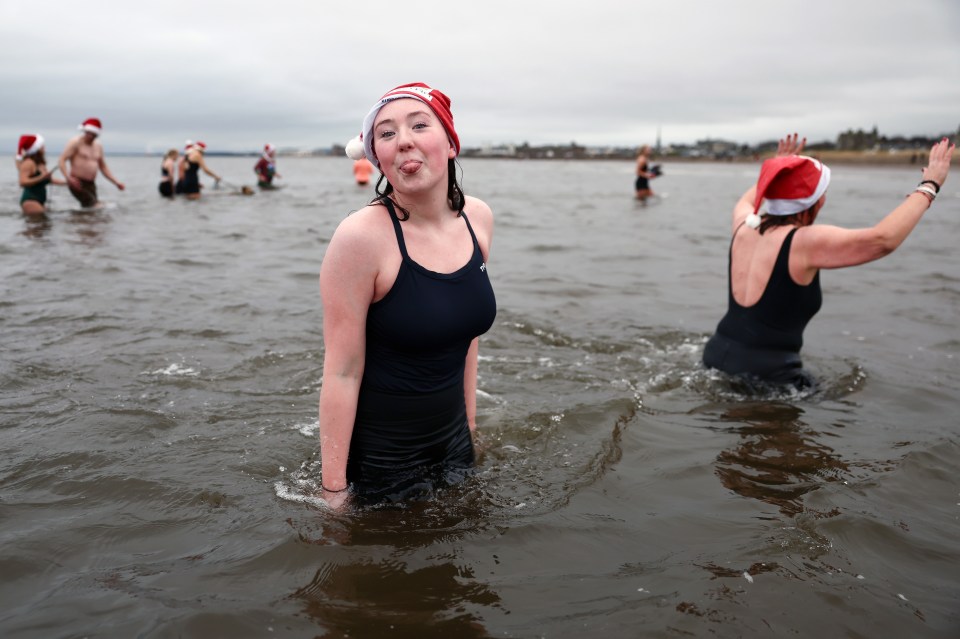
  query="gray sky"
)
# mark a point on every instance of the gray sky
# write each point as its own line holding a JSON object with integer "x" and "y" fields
{"x": 598, "y": 72}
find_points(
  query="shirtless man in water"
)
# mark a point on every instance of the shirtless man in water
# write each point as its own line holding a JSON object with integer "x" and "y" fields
{"x": 85, "y": 155}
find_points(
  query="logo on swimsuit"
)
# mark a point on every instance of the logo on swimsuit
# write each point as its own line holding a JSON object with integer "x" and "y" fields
{"x": 483, "y": 266}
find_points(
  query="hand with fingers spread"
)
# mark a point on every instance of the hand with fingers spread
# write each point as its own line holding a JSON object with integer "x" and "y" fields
{"x": 790, "y": 145}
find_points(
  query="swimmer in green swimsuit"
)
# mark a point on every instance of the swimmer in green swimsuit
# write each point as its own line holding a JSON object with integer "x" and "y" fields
{"x": 34, "y": 176}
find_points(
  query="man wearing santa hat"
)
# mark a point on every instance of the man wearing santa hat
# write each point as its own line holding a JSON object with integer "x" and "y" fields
{"x": 85, "y": 155}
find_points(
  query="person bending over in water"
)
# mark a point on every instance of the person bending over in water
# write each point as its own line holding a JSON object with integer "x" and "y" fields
{"x": 34, "y": 176}
{"x": 266, "y": 167}
{"x": 775, "y": 262}
{"x": 84, "y": 153}
{"x": 405, "y": 294}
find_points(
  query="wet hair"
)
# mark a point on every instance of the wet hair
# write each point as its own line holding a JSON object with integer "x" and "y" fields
{"x": 455, "y": 196}
{"x": 172, "y": 153}
{"x": 803, "y": 218}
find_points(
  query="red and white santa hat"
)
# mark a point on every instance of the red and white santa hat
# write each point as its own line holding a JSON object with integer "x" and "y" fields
{"x": 269, "y": 151}
{"x": 28, "y": 145}
{"x": 187, "y": 146}
{"x": 439, "y": 103}
{"x": 91, "y": 125}
{"x": 789, "y": 184}
{"x": 199, "y": 146}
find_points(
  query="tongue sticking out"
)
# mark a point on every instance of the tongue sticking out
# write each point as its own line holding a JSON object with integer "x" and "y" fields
{"x": 410, "y": 167}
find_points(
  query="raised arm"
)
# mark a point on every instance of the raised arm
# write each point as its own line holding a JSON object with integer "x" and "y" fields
{"x": 824, "y": 246}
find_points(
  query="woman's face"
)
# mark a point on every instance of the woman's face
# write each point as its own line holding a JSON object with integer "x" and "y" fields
{"x": 411, "y": 145}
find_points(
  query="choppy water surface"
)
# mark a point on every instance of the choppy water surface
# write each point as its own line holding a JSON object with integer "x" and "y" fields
{"x": 160, "y": 372}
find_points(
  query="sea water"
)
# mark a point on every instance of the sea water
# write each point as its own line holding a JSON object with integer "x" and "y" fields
{"x": 161, "y": 368}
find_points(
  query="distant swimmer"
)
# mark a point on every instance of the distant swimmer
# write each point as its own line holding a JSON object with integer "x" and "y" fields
{"x": 182, "y": 167}
{"x": 168, "y": 169}
{"x": 34, "y": 176}
{"x": 645, "y": 173}
{"x": 774, "y": 263}
{"x": 193, "y": 162}
{"x": 84, "y": 153}
{"x": 266, "y": 168}
{"x": 362, "y": 170}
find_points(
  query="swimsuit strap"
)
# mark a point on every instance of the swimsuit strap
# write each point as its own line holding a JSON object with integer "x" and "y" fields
{"x": 387, "y": 202}
{"x": 476, "y": 244}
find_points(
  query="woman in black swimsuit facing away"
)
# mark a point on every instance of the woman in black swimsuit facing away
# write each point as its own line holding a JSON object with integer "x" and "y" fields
{"x": 776, "y": 255}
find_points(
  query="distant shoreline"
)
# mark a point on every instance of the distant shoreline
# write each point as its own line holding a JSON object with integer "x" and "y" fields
{"x": 830, "y": 156}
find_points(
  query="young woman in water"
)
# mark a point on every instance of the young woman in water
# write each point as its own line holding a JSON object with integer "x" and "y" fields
{"x": 776, "y": 255}
{"x": 168, "y": 169}
{"x": 405, "y": 295}
{"x": 33, "y": 174}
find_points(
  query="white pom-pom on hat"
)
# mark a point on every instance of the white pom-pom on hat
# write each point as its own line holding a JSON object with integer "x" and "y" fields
{"x": 753, "y": 221}
{"x": 355, "y": 149}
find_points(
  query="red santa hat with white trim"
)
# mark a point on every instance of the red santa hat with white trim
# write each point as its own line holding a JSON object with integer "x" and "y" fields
{"x": 91, "y": 125}
{"x": 439, "y": 103}
{"x": 28, "y": 145}
{"x": 269, "y": 151}
{"x": 789, "y": 184}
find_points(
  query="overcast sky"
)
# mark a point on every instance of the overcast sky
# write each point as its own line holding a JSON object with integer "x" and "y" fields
{"x": 303, "y": 73}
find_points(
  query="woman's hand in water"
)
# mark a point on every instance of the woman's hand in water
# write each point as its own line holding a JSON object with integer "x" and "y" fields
{"x": 336, "y": 499}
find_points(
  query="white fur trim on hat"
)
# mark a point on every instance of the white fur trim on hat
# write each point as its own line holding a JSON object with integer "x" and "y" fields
{"x": 91, "y": 125}
{"x": 30, "y": 150}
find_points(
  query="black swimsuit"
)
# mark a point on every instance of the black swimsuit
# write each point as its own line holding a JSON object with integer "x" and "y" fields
{"x": 411, "y": 412}
{"x": 166, "y": 185}
{"x": 764, "y": 340}
{"x": 191, "y": 179}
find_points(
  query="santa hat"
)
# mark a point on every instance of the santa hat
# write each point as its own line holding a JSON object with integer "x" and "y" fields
{"x": 199, "y": 146}
{"x": 91, "y": 125}
{"x": 438, "y": 102}
{"x": 790, "y": 184}
{"x": 187, "y": 146}
{"x": 28, "y": 145}
{"x": 269, "y": 151}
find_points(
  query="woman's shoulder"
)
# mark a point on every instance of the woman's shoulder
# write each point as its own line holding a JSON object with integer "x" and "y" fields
{"x": 365, "y": 228}
{"x": 477, "y": 210}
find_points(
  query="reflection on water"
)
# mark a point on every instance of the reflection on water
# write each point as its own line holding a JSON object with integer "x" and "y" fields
{"x": 778, "y": 458}
{"x": 87, "y": 227}
{"x": 392, "y": 598}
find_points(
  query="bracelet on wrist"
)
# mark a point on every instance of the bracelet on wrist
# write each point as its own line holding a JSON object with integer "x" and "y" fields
{"x": 936, "y": 187}
{"x": 926, "y": 192}
{"x": 328, "y": 490}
